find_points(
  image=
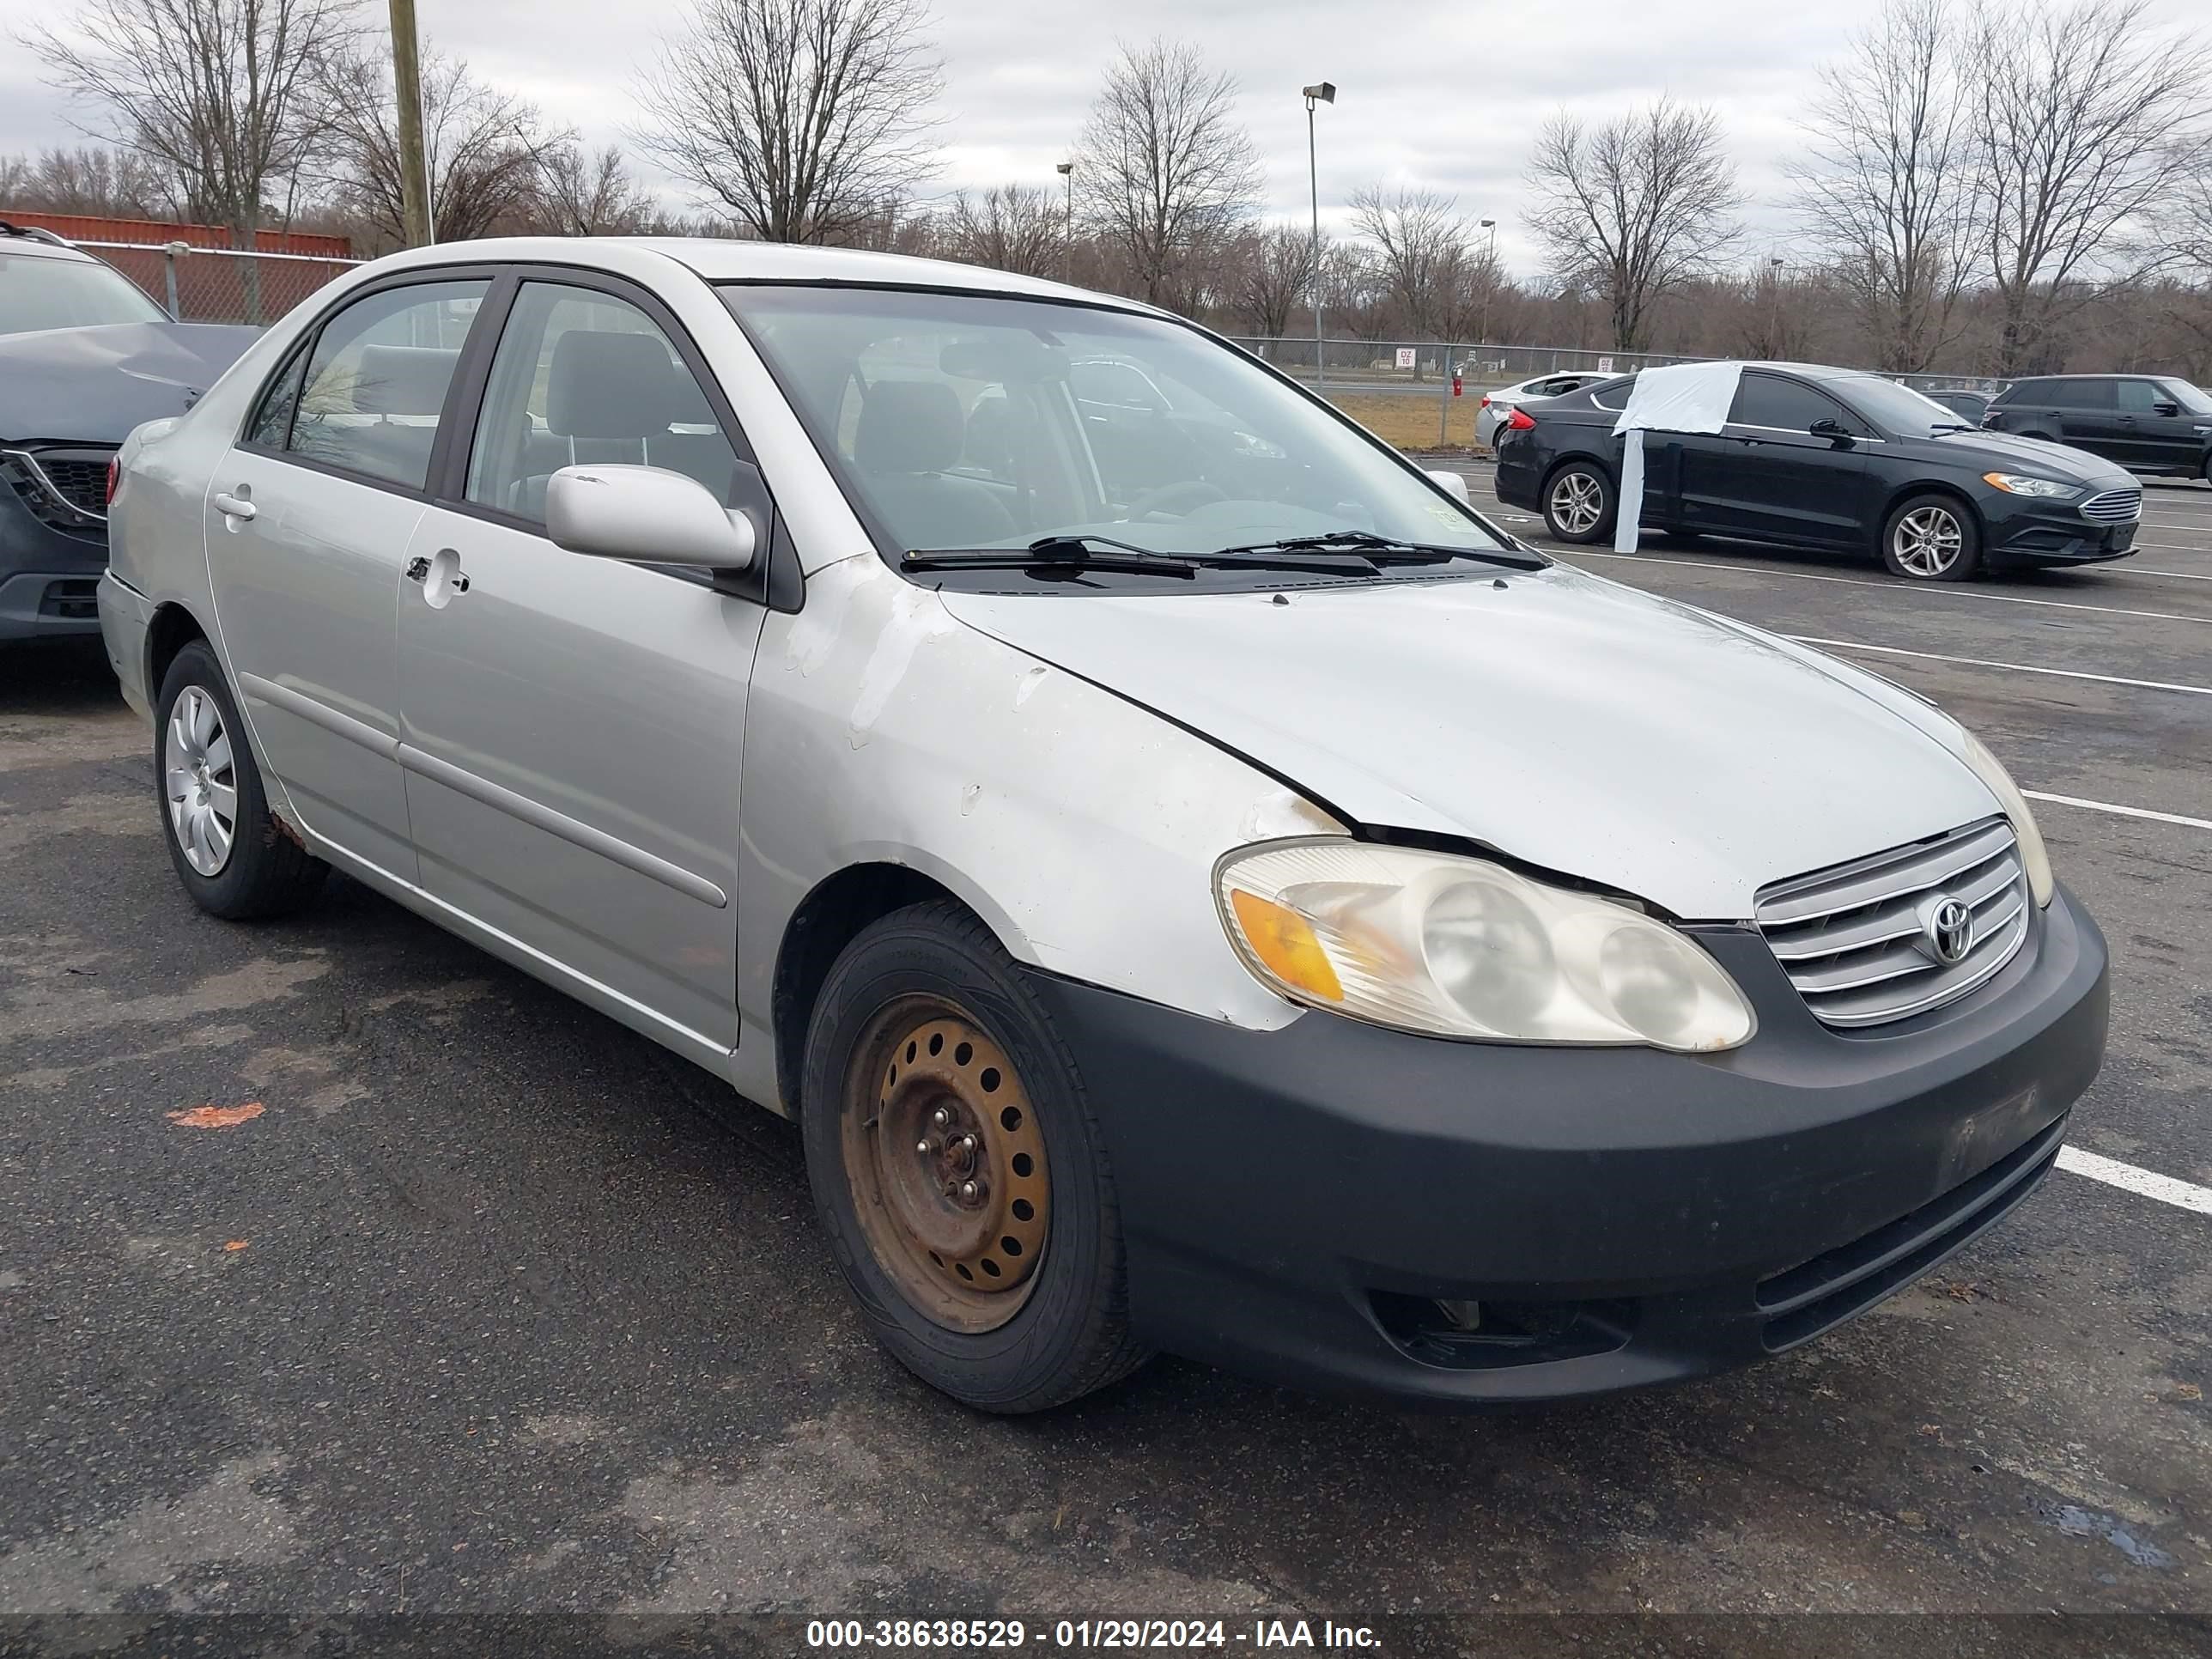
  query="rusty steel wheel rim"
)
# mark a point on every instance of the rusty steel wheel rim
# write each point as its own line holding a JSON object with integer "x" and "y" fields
{"x": 946, "y": 1164}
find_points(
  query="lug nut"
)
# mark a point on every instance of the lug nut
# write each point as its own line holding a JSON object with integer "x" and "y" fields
{"x": 967, "y": 1189}
{"x": 924, "y": 1147}
{"x": 967, "y": 1143}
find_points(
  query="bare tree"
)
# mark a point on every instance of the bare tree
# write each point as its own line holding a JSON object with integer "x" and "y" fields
{"x": 1273, "y": 272}
{"x": 581, "y": 193}
{"x": 1438, "y": 279}
{"x": 92, "y": 179}
{"x": 1634, "y": 207}
{"x": 1166, "y": 168}
{"x": 2089, "y": 120}
{"x": 1889, "y": 192}
{"x": 1016, "y": 228}
{"x": 483, "y": 146}
{"x": 803, "y": 118}
{"x": 219, "y": 94}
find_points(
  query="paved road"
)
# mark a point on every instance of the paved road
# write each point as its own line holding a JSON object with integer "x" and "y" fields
{"x": 493, "y": 1306}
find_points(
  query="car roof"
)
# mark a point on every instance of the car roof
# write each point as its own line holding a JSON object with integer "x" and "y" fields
{"x": 727, "y": 259}
{"x": 19, "y": 239}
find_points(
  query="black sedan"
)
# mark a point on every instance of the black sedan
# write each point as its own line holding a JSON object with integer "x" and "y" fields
{"x": 1826, "y": 457}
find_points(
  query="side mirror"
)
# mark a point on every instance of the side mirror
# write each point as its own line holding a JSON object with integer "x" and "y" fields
{"x": 648, "y": 514}
{"x": 1453, "y": 485}
{"x": 1832, "y": 429}
{"x": 2163, "y": 408}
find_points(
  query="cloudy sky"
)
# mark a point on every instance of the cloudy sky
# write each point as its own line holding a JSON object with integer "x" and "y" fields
{"x": 1439, "y": 94}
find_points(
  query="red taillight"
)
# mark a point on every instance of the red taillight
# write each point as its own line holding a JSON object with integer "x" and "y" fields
{"x": 1485, "y": 404}
{"x": 114, "y": 476}
{"x": 1521, "y": 421}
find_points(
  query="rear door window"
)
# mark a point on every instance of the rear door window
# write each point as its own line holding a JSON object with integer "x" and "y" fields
{"x": 377, "y": 380}
{"x": 2089, "y": 393}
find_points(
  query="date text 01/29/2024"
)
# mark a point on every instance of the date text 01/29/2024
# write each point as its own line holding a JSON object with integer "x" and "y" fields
{"x": 855, "y": 1634}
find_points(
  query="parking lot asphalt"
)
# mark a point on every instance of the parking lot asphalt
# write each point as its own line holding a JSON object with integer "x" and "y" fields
{"x": 493, "y": 1306}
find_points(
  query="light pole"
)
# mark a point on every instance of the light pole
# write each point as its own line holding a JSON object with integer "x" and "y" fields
{"x": 1490, "y": 283}
{"x": 1321, "y": 92}
{"x": 1774, "y": 306}
{"x": 1066, "y": 171}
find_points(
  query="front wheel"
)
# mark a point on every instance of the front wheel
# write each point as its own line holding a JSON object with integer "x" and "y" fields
{"x": 234, "y": 858}
{"x": 958, "y": 1171}
{"x": 1578, "y": 503}
{"x": 1932, "y": 539}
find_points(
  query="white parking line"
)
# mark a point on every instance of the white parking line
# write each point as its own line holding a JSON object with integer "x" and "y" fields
{"x": 1892, "y": 588}
{"x": 2016, "y": 667}
{"x": 2165, "y": 1188}
{"x": 2120, "y": 811}
{"x": 2178, "y": 575}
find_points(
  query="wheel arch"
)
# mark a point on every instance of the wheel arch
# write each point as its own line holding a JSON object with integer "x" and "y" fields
{"x": 173, "y": 626}
{"x": 1906, "y": 492}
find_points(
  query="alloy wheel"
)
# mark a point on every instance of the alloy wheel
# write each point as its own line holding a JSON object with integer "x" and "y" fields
{"x": 946, "y": 1163}
{"x": 1577, "y": 502}
{"x": 200, "y": 781}
{"x": 1928, "y": 541}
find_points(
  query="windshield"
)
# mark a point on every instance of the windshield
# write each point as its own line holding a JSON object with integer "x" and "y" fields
{"x": 38, "y": 290}
{"x": 2187, "y": 396}
{"x": 1898, "y": 409}
{"x": 964, "y": 422}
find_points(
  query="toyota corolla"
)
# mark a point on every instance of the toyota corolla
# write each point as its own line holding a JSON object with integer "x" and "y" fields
{"x": 1198, "y": 884}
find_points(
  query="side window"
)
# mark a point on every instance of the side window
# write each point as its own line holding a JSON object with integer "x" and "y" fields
{"x": 376, "y": 380}
{"x": 582, "y": 376}
{"x": 2138, "y": 396}
{"x": 2091, "y": 394}
{"x": 271, "y": 426}
{"x": 1767, "y": 400}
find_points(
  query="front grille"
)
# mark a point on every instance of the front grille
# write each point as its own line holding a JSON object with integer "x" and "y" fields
{"x": 2114, "y": 507}
{"x": 65, "y": 486}
{"x": 1822, "y": 1293}
{"x": 1853, "y": 940}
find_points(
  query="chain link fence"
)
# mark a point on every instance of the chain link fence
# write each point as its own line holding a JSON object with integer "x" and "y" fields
{"x": 221, "y": 285}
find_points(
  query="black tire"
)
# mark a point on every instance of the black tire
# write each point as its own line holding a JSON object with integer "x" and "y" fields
{"x": 1569, "y": 496}
{"x": 264, "y": 871}
{"x": 1901, "y": 536}
{"x": 1069, "y": 1333}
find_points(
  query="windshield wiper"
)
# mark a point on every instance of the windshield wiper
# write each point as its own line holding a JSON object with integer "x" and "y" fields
{"x": 1048, "y": 552}
{"x": 1386, "y": 550}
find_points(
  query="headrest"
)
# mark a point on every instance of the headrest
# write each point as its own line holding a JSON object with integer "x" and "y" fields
{"x": 613, "y": 383}
{"x": 404, "y": 380}
{"x": 909, "y": 426}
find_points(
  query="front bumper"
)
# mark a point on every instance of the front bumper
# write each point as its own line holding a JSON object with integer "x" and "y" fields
{"x": 2018, "y": 528}
{"x": 47, "y": 574}
{"x": 1299, "y": 1204}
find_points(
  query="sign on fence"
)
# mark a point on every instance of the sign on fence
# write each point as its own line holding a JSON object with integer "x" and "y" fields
{"x": 1408, "y": 357}
{"x": 1605, "y": 365}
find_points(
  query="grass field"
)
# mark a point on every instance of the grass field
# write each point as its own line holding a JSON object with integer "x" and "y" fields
{"x": 1411, "y": 423}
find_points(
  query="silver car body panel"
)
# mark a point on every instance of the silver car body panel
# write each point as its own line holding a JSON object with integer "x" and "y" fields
{"x": 595, "y": 752}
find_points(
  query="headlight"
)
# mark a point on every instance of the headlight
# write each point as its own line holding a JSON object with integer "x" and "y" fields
{"x": 2019, "y": 483}
{"x": 1458, "y": 947}
{"x": 1991, "y": 771}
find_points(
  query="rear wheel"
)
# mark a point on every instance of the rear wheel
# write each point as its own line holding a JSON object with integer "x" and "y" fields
{"x": 1932, "y": 539}
{"x": 234, "y": 858}
{"x": 1578, "y": 503}
{"x": 958, "y": 1171}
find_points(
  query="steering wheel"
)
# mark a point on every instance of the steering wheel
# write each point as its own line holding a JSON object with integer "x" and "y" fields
{"x": 1176, "y": 498}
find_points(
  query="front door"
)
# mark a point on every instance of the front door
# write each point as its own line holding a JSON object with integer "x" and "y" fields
{"x": 1774, "y": 479}
{"x": 573, "y": 725}
{"x": 309, "y": 519}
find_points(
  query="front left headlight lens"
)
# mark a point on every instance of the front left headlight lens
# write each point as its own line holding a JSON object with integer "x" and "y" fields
{"x": 2019, "y": 483}
{"x": 2034, "y": 856}
{"x": 1462, "y": 948}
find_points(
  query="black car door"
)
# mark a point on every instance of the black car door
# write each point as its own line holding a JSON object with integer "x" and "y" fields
{"x": 1770, "y": 477}
{"x": 2089, "y": 417}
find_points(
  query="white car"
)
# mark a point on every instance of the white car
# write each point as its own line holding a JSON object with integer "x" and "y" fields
{"x": 1498, "y": 405}
{"x": 1197, "y": 883}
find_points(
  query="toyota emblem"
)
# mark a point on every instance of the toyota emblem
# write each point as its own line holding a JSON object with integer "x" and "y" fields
{"x": 1946, "y": 928}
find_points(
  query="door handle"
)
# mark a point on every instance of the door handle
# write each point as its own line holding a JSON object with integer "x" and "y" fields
{"x": 234, "y": 507}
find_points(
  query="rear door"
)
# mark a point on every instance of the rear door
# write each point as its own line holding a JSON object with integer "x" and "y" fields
{"x": 2089, "y": 417}
{"x": 575, "y": 725}
{"x": 308, "y": 522}
{"x": 1768, "y": 476}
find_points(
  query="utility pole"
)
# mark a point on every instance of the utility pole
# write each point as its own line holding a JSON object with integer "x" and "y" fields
{"x": 1066, "y": 171}
{"x": 1321, "y": 92}
{"x": 416, "y": 227}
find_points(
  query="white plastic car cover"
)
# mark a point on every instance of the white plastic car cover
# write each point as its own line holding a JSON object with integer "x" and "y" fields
{"x": 1682, "y": 397}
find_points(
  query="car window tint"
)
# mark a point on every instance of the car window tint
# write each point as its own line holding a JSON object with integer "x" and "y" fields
{"x": 2088, "y": 393}
{"x": 376, "y": 381}
{"x": 2139, "y": 396}
{"x": 272, "y": 422}
{"x": 1769, "y": 400}
{"x": 2191, "y": 398}
{"x": 586, "y": 377}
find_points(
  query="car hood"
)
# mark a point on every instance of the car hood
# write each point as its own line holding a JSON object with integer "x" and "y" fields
{"x": 93, "y": 385}
{"x": 1994, "y": 451}
{"x": 1565, "y": 720}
